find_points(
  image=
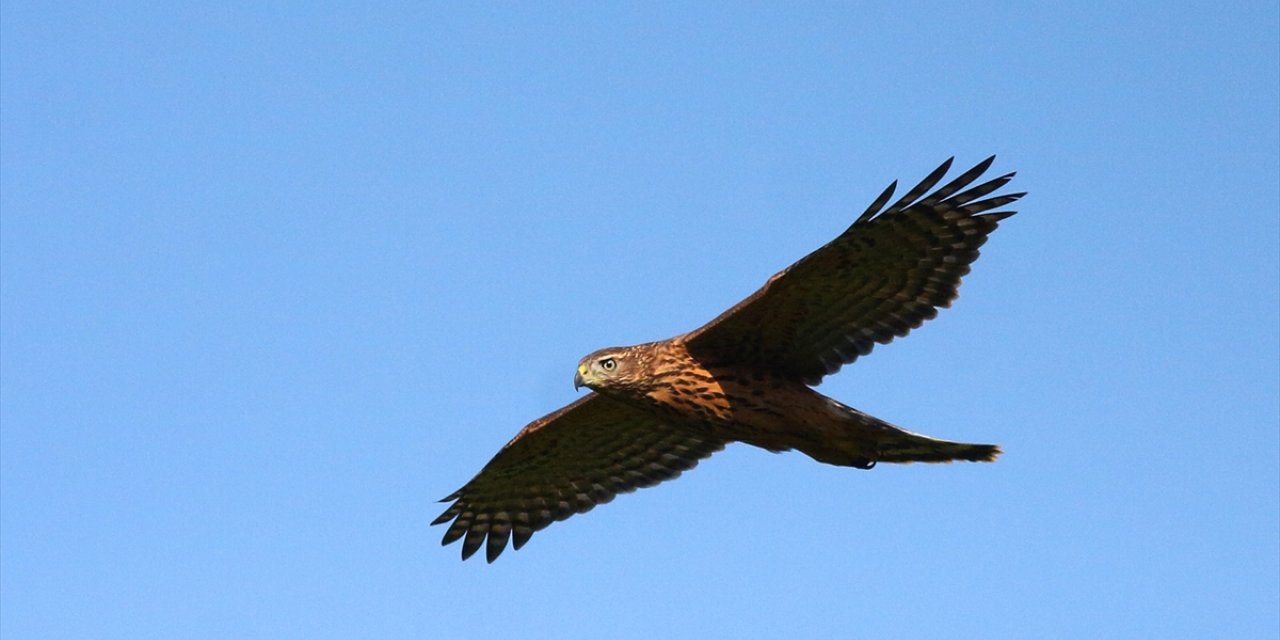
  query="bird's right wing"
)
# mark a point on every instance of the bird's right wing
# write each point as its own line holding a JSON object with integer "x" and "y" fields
{"x": 878, "y": 280}
{"x": 565, "y": 463}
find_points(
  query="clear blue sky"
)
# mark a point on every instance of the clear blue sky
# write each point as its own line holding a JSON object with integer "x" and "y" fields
{"x": 277, "y": 278}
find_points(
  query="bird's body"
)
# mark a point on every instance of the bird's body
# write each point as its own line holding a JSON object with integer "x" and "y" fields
{"x": 723, "y": 400}
{"x": 720, "y": 400}
{"x": 746, "y": 376}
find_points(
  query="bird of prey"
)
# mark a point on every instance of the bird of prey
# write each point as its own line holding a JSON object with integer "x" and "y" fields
{"x": 658, "y": 408}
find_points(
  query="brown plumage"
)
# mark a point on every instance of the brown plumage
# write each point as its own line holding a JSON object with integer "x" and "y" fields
{"x": 659, "y": 408}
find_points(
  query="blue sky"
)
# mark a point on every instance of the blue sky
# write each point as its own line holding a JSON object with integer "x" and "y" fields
{"x": 276, "y": 278}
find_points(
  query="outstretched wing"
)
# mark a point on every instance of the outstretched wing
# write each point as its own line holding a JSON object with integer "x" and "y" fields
{"x": 881, "y": 278}
{"x": 565, "y": 463}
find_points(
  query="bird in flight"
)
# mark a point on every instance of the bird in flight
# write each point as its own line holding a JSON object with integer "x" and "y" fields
{"x": 656, "y": 409}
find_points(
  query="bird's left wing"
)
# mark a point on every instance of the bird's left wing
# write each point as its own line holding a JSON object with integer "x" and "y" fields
{"x": 565, "y": 463}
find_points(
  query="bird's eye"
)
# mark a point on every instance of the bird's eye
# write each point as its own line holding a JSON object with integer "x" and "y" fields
{"x": 608, "y": 364}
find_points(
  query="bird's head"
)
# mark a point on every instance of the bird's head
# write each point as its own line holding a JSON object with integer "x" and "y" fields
{"x": 607, "y": 369}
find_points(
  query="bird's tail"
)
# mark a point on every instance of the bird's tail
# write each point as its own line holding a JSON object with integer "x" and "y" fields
{"x": 865, "y": 440}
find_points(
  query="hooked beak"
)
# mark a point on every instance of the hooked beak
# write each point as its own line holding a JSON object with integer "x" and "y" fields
{"x": 578, "y": 382}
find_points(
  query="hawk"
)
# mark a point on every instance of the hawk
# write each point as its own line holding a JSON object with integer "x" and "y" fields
{"x": 656, "y": 409}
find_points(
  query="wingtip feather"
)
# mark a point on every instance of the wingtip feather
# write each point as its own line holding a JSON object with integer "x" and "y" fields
{"x": 877, "y": 204}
